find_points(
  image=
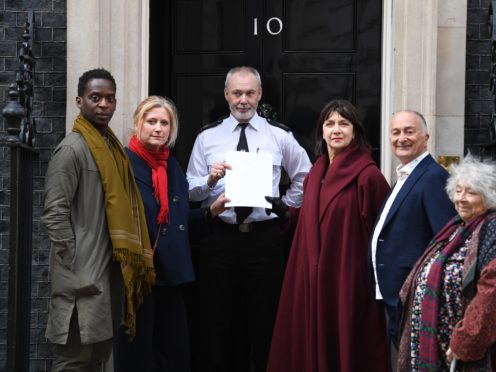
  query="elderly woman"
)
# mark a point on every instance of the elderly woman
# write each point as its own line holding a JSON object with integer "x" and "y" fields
{"x": 328, "y": 319}
{"x": 449, "y": 297}
{"x": 162, "y": 342}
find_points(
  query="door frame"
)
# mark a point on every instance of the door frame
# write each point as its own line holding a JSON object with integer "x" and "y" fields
{"x": 416, "y": 74}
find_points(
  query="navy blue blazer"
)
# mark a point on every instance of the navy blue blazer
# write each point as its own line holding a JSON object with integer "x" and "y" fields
{"x": 418, "y": 212}
{"x": 172, "y": 257}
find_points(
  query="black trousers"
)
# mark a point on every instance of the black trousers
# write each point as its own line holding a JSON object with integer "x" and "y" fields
{"x": 393, "y": 322}
{"x": 232, "y": 265}
{"x": 162, "y": 336}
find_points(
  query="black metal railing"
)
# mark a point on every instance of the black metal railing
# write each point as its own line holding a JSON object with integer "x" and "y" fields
{"x": 488, "y": 145}
{"x": 20, "y": 138}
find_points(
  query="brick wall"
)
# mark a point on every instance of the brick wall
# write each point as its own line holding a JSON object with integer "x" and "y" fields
{"x": 49, "y": 112}
{"x": 479, "y": 101}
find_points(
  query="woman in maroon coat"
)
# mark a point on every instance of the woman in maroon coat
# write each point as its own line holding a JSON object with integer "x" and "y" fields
{"x": 328, "y": 319}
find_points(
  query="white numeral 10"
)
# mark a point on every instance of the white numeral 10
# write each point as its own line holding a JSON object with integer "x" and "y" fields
{"x": 271, "y": 29}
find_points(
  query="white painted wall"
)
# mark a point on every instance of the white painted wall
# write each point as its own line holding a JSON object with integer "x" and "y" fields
{"x": 112, "y": 34}
{"x": 424, "y": 48}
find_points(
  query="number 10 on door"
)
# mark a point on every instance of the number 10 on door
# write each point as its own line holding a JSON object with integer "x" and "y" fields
{"x": 273, "y": 26}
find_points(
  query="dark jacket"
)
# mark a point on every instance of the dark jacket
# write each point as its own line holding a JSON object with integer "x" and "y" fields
{"x": 172, "y": 257}
{"x": 419, "y": 211}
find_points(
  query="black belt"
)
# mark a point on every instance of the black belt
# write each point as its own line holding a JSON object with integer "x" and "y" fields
{"x": 246, "y": 227}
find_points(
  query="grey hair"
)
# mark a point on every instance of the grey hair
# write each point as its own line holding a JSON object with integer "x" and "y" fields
{"x": 420, "y": 116}
{"x": 478, "y": 176}
{"x": 245, "y": 70}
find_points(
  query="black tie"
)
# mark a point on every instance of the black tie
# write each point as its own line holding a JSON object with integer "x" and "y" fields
{"x": 242, "y": 144}
{"x": 242, "y": 212}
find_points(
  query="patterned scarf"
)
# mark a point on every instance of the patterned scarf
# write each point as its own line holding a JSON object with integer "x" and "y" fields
{"x": 454, "y": 236}
{"x": 157, "y": 161}
{"x": 125, "y": 217}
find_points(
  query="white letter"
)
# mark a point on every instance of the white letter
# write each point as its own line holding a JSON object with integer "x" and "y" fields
{"x": 268, "y": 26}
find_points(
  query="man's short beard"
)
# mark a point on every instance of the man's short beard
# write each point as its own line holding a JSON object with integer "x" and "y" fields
{"x": 243, "y": 115}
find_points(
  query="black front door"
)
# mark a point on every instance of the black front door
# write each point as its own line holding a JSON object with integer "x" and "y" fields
{"x": 307, "y": 52}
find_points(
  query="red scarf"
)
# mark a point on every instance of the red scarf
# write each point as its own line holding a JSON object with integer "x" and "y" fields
{"x": 157, "y": 161}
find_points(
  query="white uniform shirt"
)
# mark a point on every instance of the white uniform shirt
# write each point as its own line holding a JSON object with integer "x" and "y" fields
{"x": 402, "y": 171}
{"x": 211, "y": 146}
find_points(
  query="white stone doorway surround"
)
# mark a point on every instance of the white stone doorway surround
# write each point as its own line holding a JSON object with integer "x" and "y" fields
{"x": 424, "y": 43}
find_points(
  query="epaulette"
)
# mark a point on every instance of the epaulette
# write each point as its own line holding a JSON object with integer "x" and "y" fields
{"x": 278, "y": 125}
{"x": 213, "y": 125}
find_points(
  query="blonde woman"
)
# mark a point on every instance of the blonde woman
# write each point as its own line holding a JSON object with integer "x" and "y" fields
{"x": 162, "y": 342}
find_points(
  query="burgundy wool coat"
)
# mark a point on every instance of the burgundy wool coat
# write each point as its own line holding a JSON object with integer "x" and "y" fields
{"x": 328, "y": 319}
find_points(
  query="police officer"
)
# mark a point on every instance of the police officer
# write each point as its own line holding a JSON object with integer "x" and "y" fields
{"x": 245, "y": 253}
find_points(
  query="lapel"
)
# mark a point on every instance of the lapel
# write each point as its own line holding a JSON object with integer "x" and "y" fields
{"x": 144, "y": 173}
{"x": 380, "y": 211}
{"x": 344, "y": 169}
{"x": 412, "y": 179}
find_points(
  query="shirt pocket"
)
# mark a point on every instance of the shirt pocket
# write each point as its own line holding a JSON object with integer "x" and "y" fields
{"x": 276, "y": 157}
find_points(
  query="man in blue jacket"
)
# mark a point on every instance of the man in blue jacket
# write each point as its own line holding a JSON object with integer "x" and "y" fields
{"x": 415, "y": 210}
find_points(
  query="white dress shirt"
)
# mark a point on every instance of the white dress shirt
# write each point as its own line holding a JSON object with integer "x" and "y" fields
{"x": 402, "y": 172}
{"x": 211, "y": 146}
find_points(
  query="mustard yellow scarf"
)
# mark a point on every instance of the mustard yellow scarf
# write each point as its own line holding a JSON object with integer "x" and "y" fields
{"x": 125, "y": 217}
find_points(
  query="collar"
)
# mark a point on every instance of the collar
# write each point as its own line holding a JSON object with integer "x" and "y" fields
{"x": 255, "y": 122}
{"x": 403, "y": 171}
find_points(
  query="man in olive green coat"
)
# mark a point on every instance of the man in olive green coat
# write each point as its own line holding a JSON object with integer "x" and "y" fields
{"x": 87, "y": 182}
